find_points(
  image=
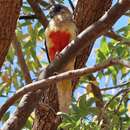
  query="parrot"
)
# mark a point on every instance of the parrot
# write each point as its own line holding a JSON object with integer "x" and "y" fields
{"x": 61, "y": 30}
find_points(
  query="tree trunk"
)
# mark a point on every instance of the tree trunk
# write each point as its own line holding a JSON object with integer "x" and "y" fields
{"x": 95, "y": 9}
{"x": 9, "y": 12}
{"x": 45, "y": 114}
{"x": 86, "y": 13}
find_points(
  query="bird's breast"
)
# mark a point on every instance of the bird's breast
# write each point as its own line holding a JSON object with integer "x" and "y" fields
{"x": 59, "y": 39}
{"x": 59, "y": 35}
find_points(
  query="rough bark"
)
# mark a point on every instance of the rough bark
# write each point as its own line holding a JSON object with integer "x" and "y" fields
{"x": 45, "y": 114}
{"x": 95, "y": 9}
{"x": 86, "y": 13}
{"x": 9, "y": 12}
{"x": 14, "y": 124}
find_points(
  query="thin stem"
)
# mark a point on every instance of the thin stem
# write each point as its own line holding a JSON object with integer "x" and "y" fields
{"x": 71, "y": 4}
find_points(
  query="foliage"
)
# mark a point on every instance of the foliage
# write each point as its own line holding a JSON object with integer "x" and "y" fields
{"x": 83, "y": 113}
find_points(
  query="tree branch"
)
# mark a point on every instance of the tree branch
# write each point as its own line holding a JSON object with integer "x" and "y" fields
{"x": 44, "y": 83}
{"x": 21, "y": 61}
{"x": 89, "y": 34}
{"x": 114, "y": 36}
{"x": 126, "y": 90}
{"x": 41, "y": 16}
{"x": 114, "y": 87}
{"x": 121, "y": 100}
{"x": 117, "y": 37}
{"x": 71, "y": 4}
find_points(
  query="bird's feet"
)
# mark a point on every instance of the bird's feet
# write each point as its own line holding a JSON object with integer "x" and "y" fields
{"x": 58, "y": 55}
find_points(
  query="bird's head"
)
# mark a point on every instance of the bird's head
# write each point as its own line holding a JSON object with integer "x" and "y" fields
{"x": 59, "y": 10}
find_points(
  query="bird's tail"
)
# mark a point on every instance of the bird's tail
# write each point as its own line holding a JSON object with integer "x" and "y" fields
{"x": 64, "y": 88}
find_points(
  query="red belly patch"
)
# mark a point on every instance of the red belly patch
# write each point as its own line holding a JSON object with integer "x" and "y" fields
{"x": 59, "y": 39}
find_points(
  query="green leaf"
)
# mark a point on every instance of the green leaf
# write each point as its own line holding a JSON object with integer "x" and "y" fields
{"x": 124, "y": 29}
{"x": 104, "y": 46}
{"x": 5, "y": 117}
{"x": 100, "y": 57}
{"x": 93, "y": 110}
{"x": 78, "y": 123}
{"x": 25, "y": 23}
{"x": 64, "y": 125}
{"x": 26, "y": 9}
{"x": 65, "y": 116}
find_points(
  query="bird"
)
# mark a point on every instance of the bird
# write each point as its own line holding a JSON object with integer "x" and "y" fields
{"x": 61, "y": 30}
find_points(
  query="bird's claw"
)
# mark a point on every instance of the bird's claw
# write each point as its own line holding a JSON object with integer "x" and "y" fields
{"x": 58, "y": 55}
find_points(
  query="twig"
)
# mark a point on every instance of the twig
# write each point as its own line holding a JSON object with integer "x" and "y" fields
{"x": 107, "y": 104}
{"x": 71, "y": 4}
{"x": 26, "y": 17}
{"x": 114, "y": 36}
{"x": 117, "y": 86}
{"x": 114, "y": 87}
{"x": 42, "y": 84}
{"x": 120, "y": 92}
{"x": 121, "y": 100}
{"x": 117, "y": 37}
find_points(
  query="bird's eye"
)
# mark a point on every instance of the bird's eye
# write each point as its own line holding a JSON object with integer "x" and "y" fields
{"x": 57, "y": 8}
{"x": 51, "y": 14}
